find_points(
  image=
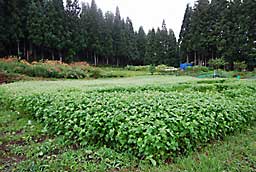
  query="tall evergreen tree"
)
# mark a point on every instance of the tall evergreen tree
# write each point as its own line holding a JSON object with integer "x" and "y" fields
{"x": 58, "y": 19}
{"x": 131, "y": 48}
{"x": 93, "y": 31}
{"x": 84, "y": 18}
{"x": 13, "y": 24}
{"x": 185, "y": 35}
{"x": 117, "y": 36}
{"x": 74, "y": 40}
{"x": 35, "y": 25}
{"x": 141, "y": 44}
{"x": 172, "y": 58}
{"x": 200, "y": 30}
{"x": 151, "y": 48}
{"x": 107, "y": 40}
{"x": 2, "y": 28}
{"x": 249, "y": 26}
{"x": 218, "y": 11}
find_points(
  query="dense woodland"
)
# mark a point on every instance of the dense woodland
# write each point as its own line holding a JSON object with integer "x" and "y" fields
{"x": 218, "y": 29}
{"x": 46, "y": 29}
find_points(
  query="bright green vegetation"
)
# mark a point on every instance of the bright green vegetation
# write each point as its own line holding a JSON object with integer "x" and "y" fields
{"x": 25, "y": 147}
{"x": 14, "y": 70}
{"x": 31, "y": 87}
{"x": 132, "y": 123}
{"x": 63, "y": 71}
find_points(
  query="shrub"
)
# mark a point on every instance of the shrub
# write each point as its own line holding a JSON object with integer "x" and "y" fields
{"x": 217, "y": 63}
{"x": 197, "y": 69}
{"x": 95, "y": 72}
{"x": 136, "y": 68}
{"x": 152, "y": 69}
{"x": 240, "y": 66}
{"x": 164, "y": 69}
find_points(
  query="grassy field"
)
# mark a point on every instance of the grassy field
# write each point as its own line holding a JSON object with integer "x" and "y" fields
{"x": 30, "y": 87}
{"x": 33, "y": 139}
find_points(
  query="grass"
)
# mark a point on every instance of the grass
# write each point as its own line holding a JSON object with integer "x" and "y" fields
{"x": 30, "y": 87}
{"x": 26, "y": 147}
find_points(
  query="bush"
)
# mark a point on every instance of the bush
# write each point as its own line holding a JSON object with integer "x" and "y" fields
{"x": 95, "y": 72}
{"x": 152, "y": 69}
{"x": 164, "y": 69}
{"x": 136, "y": 68}
{"x": 197, "y": 69}
{"x": 240, "y": 66}
{"x": 217, "y": 63}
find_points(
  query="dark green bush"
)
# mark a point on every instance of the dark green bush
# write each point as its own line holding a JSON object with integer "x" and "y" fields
{"x": 197, "y": 69}
{"x": 136, "y": 68}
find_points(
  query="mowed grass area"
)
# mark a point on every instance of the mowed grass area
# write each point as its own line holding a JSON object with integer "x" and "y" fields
{"x": 27, "y": 144}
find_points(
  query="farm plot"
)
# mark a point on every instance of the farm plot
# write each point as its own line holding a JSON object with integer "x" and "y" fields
{"x": 150, "y": 121}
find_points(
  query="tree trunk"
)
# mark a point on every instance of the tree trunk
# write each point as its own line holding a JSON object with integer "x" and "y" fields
{"x": 35, "y": 54}
{"x": 30, "y": 51}
{"x": 18, "y": 48}
{"x": 117, "y": 61}
{"x": 60, "y": 56}
{"x": 187, "y": 59}
{"x": 24, "y": 49}
{"x": 107, "y": 60}
{"x": 42, "y": 53}
{"x": 200, "y": 60}
{"x": 52, "y": 54}
{"x": 95, "y": 59}
{"x": 195, "y": 60}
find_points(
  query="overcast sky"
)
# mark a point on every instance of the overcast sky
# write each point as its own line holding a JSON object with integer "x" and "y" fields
{"x": 148, "y": 13}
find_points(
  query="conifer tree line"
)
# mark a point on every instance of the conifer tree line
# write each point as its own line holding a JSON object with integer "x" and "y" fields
{"x": 48, "y": 29}
{"x": 219, "y": 29}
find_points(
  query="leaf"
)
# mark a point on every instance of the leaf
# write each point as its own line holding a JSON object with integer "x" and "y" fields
{"x": 153, "y": 162}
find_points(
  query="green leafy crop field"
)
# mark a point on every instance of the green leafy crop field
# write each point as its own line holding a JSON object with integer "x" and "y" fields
{"x": 152, "y": 118}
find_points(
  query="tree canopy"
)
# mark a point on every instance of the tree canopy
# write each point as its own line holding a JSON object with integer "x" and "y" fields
{"x": 46, "y": 29}
{"x": 220, "y": 29}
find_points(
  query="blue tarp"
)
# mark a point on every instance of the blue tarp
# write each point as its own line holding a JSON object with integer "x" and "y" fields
{"x": 184, "y": 66}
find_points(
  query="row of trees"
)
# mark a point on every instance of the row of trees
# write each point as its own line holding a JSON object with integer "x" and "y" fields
{"x": 220, "y": 29}
{"x": 39, "y": 29}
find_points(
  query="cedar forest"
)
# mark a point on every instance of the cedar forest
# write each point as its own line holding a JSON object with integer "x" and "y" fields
{"x": 46, "y": 29}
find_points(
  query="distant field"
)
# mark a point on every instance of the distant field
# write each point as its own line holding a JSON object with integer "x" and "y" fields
{"x": 29, "y": 87}
{"x": 151, "y": 120}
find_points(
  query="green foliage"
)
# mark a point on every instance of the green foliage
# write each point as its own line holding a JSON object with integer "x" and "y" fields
{"x": 95, "y": 72}
{"x": 152, "y": 69}
{"x": 44, "y": 152}
{"x": 154, "y": 123}
{"x": 44, "y": 70}
{"x": 213, "y": 29}
{"x": 164, "y": 69}
{"x": 240, "y": 66}
{"x": 217, "y": 63}
{"x": 197, "y": 69}
{"x": 136, "y": 68}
